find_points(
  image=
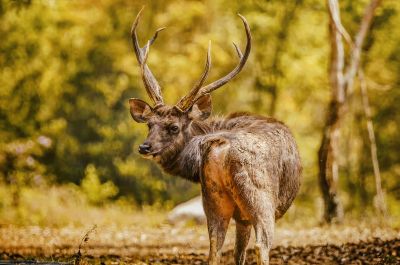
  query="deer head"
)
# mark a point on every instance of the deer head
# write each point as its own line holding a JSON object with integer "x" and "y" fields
{"x": 171, "y": 126}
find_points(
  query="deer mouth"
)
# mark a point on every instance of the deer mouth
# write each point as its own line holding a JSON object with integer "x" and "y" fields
{"x": 153, "y": 155}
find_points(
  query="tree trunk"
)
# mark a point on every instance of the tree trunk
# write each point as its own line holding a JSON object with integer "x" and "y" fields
{"x": 328, "y": 167}
{"x": 327, "y": 155}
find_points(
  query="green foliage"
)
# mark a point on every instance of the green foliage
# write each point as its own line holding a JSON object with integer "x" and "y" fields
{"x": 67, "y": 70}
{"x": 97, "y": 192}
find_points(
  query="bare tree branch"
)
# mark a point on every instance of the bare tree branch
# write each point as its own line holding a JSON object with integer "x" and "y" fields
{"x": 380, "y": 200}
{"x": 337, "y": 52}
{"x": 334, "y": 16}
{"x": 355, "y": 55}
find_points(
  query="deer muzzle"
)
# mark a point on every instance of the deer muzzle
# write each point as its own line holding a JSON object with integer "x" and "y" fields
{"x": 144, "y": 148}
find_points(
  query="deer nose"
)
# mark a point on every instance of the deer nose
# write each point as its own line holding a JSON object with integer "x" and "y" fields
{"x": 144, "y": 148}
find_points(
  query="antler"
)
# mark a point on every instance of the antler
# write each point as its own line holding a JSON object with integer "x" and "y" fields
{"x": 198, "y": 91}
{"x": 187, "y": 101}
{"x": 152, "y": 87}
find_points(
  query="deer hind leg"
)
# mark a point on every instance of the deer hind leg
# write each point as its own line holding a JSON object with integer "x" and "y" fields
{"x": 263, "y": 218}
{"x": 218, "y": 209}
{"x": 243, "y": 232}
{"x": 264, "y": 230}
{"x": 256, "y": 203}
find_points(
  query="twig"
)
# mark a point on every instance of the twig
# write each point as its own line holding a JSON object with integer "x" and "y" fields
{"x": 84, "y": 240}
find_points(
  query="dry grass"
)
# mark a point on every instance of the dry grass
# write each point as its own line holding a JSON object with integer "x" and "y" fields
{"x": 66, "y": 206}
{"x": 53, "y": 228}
{"x": 161, "y": 237}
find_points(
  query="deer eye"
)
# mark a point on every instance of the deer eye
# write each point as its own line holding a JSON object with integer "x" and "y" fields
{"x": 173, "y": 128}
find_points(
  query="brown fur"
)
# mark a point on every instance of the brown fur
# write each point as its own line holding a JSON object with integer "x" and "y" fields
{"x": 248, "y": 166}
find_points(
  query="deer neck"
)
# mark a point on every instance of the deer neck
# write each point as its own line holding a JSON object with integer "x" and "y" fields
{"x": 186, "y": 162}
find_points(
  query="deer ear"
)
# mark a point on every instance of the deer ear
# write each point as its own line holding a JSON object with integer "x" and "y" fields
{"x": 140, "y": 110}
{"x": 202, "y": 108}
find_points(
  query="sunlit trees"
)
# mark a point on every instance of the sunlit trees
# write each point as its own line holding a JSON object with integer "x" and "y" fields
{"x": 67, "y": 70}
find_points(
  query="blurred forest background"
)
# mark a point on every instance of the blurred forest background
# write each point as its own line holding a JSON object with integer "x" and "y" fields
{"x": 68, "y": 146}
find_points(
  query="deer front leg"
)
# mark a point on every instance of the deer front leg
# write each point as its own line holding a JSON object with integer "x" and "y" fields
{"x": 218, "y": 209}
{"x": 243, "y": 231}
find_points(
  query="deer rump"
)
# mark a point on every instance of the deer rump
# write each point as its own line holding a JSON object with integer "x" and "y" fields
{"x": 245, "y": 155}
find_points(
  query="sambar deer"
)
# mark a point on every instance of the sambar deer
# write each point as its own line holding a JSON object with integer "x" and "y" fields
{"x": 248, "y": 165}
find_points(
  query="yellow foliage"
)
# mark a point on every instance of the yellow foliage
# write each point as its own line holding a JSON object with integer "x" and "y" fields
{"x": 97, "y": 192}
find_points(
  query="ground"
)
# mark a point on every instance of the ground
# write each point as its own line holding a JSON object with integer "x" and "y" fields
{"x": 188, "y": 244}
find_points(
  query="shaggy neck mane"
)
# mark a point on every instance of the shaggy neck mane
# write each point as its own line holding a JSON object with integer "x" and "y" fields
{"x": 186, "y": 160}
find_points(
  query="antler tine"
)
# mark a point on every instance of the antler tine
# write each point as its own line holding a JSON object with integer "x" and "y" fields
{"x": 186, "y": 102}
{"x": 238, "y": 51}
{"x": 243, "y": 58}
{"x": 156, "y": 35}
{"x": 152, "y": 87}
